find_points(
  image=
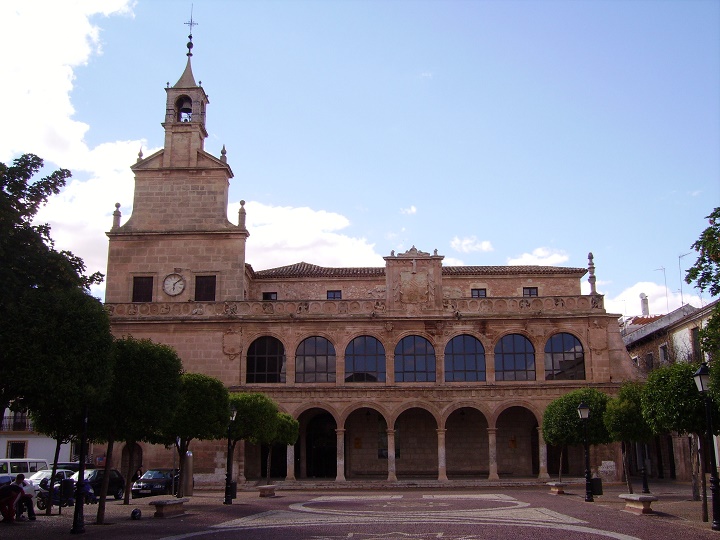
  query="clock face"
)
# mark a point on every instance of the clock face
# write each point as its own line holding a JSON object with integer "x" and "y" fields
{"x": 174, "y": 284}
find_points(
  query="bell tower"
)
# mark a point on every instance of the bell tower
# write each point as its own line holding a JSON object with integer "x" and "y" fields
{"x": 184, "y": 123}
{"x": 178, "y": 245}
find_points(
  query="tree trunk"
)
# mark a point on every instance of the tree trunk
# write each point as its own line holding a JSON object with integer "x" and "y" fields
{"x": 703, "y": 483}
{"x": 626, "y": 466}
{"x": 267, "y": 472}
{"x": 105, "y": 482}
{"x": 130, "y": 471}
{"x": 182, "y": 446}
{"x": 560, "y": 468}
{"x": 694, "y": 467}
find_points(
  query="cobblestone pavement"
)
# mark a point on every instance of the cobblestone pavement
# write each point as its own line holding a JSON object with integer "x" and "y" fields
{"x": 400, "y": 513}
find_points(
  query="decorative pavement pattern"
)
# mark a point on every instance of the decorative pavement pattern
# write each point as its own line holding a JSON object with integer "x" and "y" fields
{"x": 402, "y": 517}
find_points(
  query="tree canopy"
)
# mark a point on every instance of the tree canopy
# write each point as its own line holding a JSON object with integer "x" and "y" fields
{"x": 256, "y": 417}
{"x": 31, "y": 266}
{"x": 623, "y": 415}
{"x": 671, "y": 401}
{"x": 706, "y": 275}
{"x": 562, "y": 425}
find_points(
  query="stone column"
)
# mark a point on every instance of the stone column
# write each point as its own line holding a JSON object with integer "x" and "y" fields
{"x": 542, "y": 458}
{"x": 392, "y": 476}
{"x": 340, "y": 476}
{"x": 290, "y": 464}
{"x": 492, "y": 444}
{"x": 442, "y": 467}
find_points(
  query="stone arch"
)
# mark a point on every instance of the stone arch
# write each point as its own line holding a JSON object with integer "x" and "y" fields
{"x": 416, "y": 441}
{"x": 316, "y": 449}
{"x": 365, "y": 442}
{"x": 467, "y": 448}
{"x": 517, "y": 440}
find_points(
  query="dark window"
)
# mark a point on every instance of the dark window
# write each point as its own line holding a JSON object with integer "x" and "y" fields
{"x": 16, "y": 450}
{"x": 269, "y": 296}
{"x": 695, "y": 337}
{"x": 663, "y": 354}
{"x": 205, "y": 288}
{"x": 530, "y": 291}
{"x": 649, "y": 360}
{"x": 514, "y": 359}
{"x": 414, "y": 360}
{"x": 266, "y": 361}
{"x": 564, "y": 358}
{"x": 315, "y": 361}
{"x": 464, "y": 359}
{"x": 142, "y": 289}
{"x": 334, "y": 295}
{"x": 478, "y": 293}
{"x": 365, "y": 360}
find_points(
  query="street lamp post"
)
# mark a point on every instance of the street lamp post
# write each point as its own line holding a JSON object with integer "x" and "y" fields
{"x": 702, "y": 380}
{"x": 228, "y": 468}
{"x": 584, "y": 413}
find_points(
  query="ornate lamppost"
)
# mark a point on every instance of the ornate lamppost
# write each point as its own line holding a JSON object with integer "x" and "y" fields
{"x": 78, "y": 526}
{"x": 702, "y": 380}
{"x": 228, "y": 468}
{"x": 584, "y": 413}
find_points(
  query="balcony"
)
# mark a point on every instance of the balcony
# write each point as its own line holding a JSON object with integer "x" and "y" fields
{"x": 15, "y": 423}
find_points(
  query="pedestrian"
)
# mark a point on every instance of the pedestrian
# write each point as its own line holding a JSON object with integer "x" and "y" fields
{"x": 137, "y": 474}
{"x": 26, "y": 499}
{"x": 9, "y": 497}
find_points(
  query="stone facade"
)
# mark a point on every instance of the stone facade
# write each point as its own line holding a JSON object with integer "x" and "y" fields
{"x": 414, "y": 369}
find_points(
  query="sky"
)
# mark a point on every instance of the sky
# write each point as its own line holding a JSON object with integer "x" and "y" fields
{"x": 497, "y": 132}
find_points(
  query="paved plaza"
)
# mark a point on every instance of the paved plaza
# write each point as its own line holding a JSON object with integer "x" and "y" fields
{"x": 393, "y": 514}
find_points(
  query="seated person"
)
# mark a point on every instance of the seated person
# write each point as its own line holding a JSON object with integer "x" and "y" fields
{"x": 9, "y": 496}
{"x": 26, "y": 499}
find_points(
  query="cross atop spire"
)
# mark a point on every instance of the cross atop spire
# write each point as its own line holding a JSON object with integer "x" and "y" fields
{"x": 190, "y": 23}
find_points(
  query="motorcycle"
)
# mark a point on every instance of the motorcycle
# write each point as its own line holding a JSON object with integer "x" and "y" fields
{"x": 60, "y": 499}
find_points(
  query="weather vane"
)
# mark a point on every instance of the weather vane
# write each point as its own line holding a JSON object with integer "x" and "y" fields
{"x": 190, "y": 23}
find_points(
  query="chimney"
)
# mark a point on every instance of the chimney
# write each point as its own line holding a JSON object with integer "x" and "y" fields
{"x": 644, "y": 305}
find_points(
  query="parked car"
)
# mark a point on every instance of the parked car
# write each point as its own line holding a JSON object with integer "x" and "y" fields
{"x": 74, "y": 465}
{"x": 156, "y": 482}
{"x": 116, "y": 486}
{"x": 41, "y": 479}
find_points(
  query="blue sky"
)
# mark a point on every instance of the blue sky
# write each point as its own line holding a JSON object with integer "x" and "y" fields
{"x": 528, "y": 132}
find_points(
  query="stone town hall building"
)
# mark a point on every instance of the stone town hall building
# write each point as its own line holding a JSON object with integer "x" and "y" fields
{"x": 413, "y": 369}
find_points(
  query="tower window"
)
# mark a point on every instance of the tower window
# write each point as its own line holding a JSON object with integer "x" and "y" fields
{"x": 334, "y": 295}
{"x": 142, "y": 289}
{"x": 205, "y": 288}
{"x": 269, "y": 296}
{"x": 530, "y": 291}
{"x": 184, "y": 108}
{"x": 478, "y": 293}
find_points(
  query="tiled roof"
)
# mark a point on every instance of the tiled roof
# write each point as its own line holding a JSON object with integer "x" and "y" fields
{"x": 303, "y": 269}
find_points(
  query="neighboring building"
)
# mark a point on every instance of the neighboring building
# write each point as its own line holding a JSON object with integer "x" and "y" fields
{"x": 18, "y": 439}
{"x": 410, "y": 369}
{"x": 664, "y": 340}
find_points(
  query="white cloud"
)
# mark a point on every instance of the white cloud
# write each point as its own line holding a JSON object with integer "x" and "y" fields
{"x": 409, "y": 211}
{"x": 540, "y": 256}
{"x": 660, "y": 301}
{"x": 282, "y": 235}
{"x": 452, "y": 261}
{"x": 470, "y": 244}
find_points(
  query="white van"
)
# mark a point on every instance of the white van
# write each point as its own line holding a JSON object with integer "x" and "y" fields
{"x": 27, "y": 466}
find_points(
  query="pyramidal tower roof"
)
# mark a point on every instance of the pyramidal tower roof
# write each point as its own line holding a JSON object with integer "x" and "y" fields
{"x": 187, "y": 80}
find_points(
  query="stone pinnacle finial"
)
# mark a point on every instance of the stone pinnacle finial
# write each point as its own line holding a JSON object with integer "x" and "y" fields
{"x": 116, "y": 216}
{"x": 140, "y": 154}
{"x": 591, "y": 270}
{"x": 223, "y": 154}
{"x": 241, "y": 216}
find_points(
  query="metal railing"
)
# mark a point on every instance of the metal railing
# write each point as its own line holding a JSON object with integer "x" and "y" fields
{"x": 13, "y": 423}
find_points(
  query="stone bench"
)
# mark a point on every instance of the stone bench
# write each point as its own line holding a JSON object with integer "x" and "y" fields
{"x": 638, "y": 503}
{"x": 169, "y": 507}
{"x": 557, "y": 488}
{"x": 267, "y": 491}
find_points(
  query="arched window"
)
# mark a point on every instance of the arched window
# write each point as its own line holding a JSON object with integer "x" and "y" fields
{"x": 315, "y": 361}
{"x": 184, "y": 109}
{"x": 266, "y": 361}
{"x": 564, "y": 358}
{"x": 365, "y": 360}
{"x": 464, "y": 359}
{"x": 514, "y": 359}
{"x": 414, "y": 360}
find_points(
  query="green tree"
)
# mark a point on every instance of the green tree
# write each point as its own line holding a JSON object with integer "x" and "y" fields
{"x": 563, "y": 427}
{"x": 66, "y": 364}
{"x": 706, "y": 275}
{"x": 671, "y": 402}
{"x": 201, "y": 412}
{"x": 286, "y": 433}
{"x": 624, "y": 421}
{"x": 30, "y": 262}
{"x": 256, "y": 418}
{"x": 146, "y": 387}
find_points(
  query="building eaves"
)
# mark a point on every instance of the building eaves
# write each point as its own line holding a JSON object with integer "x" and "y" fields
{"x": 663, "y": 323}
